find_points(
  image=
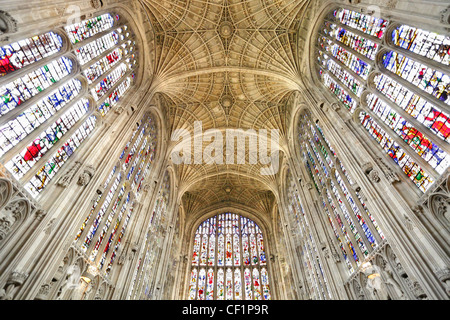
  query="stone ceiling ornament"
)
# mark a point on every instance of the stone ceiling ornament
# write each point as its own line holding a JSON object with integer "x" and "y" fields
{"x": 226, "y": 29}
{"x": 229, "y": 64}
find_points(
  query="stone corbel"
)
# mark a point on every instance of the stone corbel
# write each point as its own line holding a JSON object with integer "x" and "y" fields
{"x": 86, "y": 176}
{"x": 15, "y": 280}
{"x": 417, "y": 290}
{"x": 445, "y": 16}
{"x": 335, "y": 106}
{"x": 118, "y": 109}
{"x": 373, "y": 175}
{"x": 390, "y": 175}
{"x": 67, "y": 178}
{"x": 131, "y": 109}
{"x": 43, "y": 292}
{"x": 96, "y": 4}
{"x": 8, "y": 25}
{"x": 444, "y": 276}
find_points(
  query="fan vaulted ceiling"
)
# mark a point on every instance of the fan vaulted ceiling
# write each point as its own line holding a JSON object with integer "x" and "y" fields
{"x": 228, "y": 64}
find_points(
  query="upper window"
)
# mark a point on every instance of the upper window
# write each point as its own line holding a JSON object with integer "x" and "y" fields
{"x": 404, "y": 104}
{"x": 19, "y": 54}
{"x": 355, "y": 229}
{"x": 102, "y": 231}
{"x": 229, "y": 260}
{"x": 46, "y": 112}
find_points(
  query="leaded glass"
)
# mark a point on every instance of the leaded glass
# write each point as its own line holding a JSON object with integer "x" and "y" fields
{"x": 19, "y": 54}
{"x": 235, "y": 236}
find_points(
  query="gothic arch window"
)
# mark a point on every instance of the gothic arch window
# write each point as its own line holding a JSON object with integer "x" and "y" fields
{"x": 143, "y": 286}
{"x": 51, "y": 86}
{"x": 394, "y": 77}
{"x": 229, "y": 260}
{"x": 101, "y": 234}
{"x": 352, "y": 227}
{"x": 317, "y": 282}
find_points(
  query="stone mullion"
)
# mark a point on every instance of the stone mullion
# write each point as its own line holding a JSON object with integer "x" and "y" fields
{"x": 315, "y": 235}
{"x": 304, "y": 247}
{"x": 107, "y": 73}
{"x": 9, "y": 155}
{"x": 414, "y": 89}
{"x": 145, "y": 268}
{"x": 340, "y": 232}
{"x": 111, "y": 226}
{"x": 312, "y": 273}
{"x": 331, "y": 234}
{"x": 312, "y": 230}
{"x": 146, "y": 232}
{"x": 343, "y": 66}
{"x": 338, "y": 207}
{"x": 104, "y": 219}
{"x": 349, "y": 90}
{"x": 119, "y": 228}
{"x": 336, "y": 163}
{"x": 140, "y": 273}
{"x": 101, "y": 99}
{"x": 283, "y": 211}
{"x": 356, "y": 223}
{"x": 344, "y": 221}
{"x": 121, "y": 223}
{"x": 315, "y": 266}
{"x": 215, "y": 265}
{"x": 368, "y": 220}
{"x": 100, "y": 205}
{"x": 241, "y": 254}
{"x": 208, "y": 245}
{"x": 107, "y": 52}
{"x": 343, "y": 197}
{"x": 132, "y": 229}
{"x": 346, "y": 224}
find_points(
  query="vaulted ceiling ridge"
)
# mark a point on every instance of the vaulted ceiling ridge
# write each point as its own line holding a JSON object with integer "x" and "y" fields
{"x": 228, "y": 64}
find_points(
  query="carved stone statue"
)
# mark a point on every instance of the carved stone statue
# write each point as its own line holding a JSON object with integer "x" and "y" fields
{"x": 390, "y": 282}
{"x": 71, "y": 281}
{"x": 375, "y": 284}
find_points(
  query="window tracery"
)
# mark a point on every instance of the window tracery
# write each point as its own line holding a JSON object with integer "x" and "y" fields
{"x": 101, "y": 234}
{"x": 316, "y": 278}
{"x": 353, "y": 227}
{"x": 43, "y": 106}
{"x": 239, "y": 269}
{"x": 391, "y": 75}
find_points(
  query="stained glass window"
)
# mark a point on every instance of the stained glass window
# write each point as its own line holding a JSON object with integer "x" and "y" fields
{"x": 104, "y": 228}
{"x": 404, "y": 103}
{"x": 45, "y": 113}
{"x": 19, "y": 54}
{"x": 80, "y": 31}
{"x": 238, "y": 242}
{"x": 18, "y": 91}
{"x": 316, "y": 280}
{"x": 356, "y": 231}
{"x": 424, "y": 43}
{"x": 152, "y": 249}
